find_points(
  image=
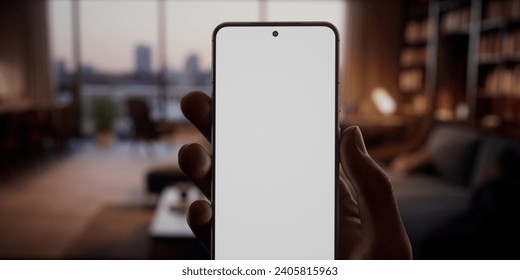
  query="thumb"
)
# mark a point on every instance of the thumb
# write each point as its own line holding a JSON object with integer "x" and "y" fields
{"x": 380, "y": 220}
{"x": 199, "y": 219}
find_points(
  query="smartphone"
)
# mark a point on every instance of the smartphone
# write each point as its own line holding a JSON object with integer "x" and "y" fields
{"x": 275, "y": 140}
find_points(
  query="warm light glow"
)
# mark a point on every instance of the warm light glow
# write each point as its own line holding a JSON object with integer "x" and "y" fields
{"x": 462, "y": 111}
{"x": 383, "y": 101}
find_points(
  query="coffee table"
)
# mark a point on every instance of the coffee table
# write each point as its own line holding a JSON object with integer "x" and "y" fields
{"x": 169, "y": 220}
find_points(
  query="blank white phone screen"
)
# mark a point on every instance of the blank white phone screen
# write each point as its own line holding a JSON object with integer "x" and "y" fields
{"x": 274, "y": 142}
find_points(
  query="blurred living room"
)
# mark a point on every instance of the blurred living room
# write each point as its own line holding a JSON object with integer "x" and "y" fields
{"x": 91, "y": 125}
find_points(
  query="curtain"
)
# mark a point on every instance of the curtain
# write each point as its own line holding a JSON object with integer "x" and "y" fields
{"x": 38, "y": 54}
{"x": 24, "y": 52}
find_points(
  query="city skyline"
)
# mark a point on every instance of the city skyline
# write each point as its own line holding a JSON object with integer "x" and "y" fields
{"x": 190, "y": 74}
{"x": 110, "y": 31}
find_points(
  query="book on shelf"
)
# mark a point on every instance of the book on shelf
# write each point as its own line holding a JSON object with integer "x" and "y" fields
{"x": 456, "y": 21}
{"x": 503, "y": 81}
{"x": 411, "y": 80}
{"x": 511, "y": 45}
{"x": 496, "y": 46}
{"x": 499, "y": 10}
{"x": 413, "y": 57}
{"x": 494, "y": 10}
{"x": 416, "y": 31}
{"x": 489, "y": 46}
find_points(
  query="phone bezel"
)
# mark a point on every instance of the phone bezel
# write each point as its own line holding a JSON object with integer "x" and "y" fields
{"x": 213, "y": 98}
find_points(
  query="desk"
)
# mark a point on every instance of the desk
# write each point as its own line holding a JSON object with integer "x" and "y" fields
{"x": 25, "y": 127}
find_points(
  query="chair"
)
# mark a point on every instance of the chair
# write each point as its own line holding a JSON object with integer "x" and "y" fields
{"x": 144, "y": 128}
{"x": 63, "y": 126}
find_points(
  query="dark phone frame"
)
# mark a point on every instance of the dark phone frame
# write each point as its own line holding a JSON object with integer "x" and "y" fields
{"x": 213, "y": 98}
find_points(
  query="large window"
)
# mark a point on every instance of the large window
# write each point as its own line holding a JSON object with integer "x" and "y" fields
{"x": 112, "y": 31}
{"x": 60, "y": 27}
{"x": 121, "y": 43}
{"x": 189, "y": 26}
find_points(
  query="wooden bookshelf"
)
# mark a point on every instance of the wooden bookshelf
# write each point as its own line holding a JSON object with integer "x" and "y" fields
{"x": 414, "y": 52}
{"x": 471, "y": 61}
{"x": 498, "y": 79}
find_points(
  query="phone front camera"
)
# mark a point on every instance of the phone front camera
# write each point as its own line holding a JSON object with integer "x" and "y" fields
{"x": 275, "y": 33}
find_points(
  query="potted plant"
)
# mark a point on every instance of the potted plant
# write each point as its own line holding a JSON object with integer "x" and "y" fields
{"x": 103, "y": 112}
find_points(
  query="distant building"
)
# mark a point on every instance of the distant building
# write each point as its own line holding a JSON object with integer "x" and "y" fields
{"x": 143, "y": 61}
{"x": 192, "y": 70}
{"x": 175, "y": 77}
{"x": 88, "y": 70}
{"x": 60, "y": 72}
{"x": 206, "y": 77}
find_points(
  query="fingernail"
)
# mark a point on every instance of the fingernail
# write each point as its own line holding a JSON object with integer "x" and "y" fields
{"x": 360, "y": 143}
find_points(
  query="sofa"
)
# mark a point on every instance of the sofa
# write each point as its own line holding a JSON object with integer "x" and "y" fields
{"x": 436, "y": 195}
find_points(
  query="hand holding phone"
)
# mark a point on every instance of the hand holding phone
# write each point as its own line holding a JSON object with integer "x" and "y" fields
{"x": 369, "y": 224}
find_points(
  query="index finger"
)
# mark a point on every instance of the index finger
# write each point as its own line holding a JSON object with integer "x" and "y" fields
{"x": 196, "y": 107}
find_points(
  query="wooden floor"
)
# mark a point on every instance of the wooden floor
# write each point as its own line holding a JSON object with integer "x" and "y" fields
{"x": 88, "y": 204}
